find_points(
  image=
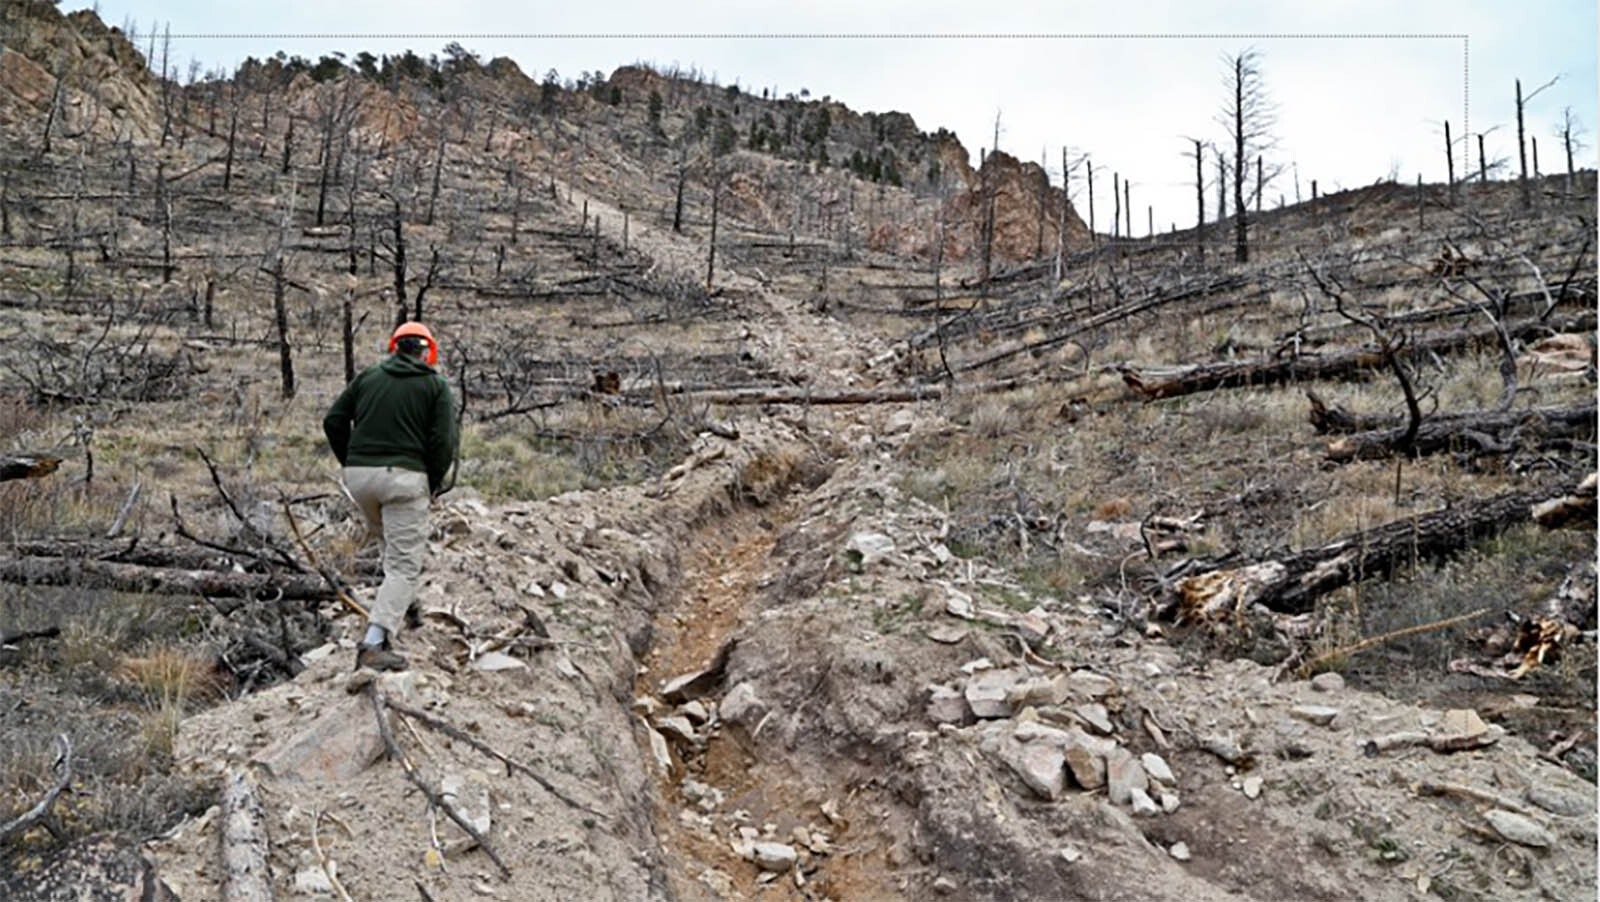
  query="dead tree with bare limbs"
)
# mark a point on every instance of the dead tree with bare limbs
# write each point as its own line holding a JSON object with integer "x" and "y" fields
{"x": 1249, "y": 117}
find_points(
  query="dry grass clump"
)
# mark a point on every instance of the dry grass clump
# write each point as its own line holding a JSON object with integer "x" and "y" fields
{"x": 170, "y": 679}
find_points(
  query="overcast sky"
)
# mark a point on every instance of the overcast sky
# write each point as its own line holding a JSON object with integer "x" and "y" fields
{"x": 1361, "y": 87}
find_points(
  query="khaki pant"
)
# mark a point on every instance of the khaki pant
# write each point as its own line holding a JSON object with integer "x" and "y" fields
{"x": 395, "y": 504}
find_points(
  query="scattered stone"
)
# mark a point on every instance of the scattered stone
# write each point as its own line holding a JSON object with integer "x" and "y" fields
{"x": 1070, "y": 854}
{"x": 340, "y": 743}
{"x": 469, "y": 793}
{"x": 1088, "y": 769}
{"x": 1251, "y": 786}
{"x": 774, "y": 856}
{"x": 1558, "y": 801}
{"x": 1321, "y": 715}
{"x": 646, "y": 705}
{"x": 695, "y": 712}
{"x": 706, "y": 798}
{"x": 720, "y": 882}
{"x": 1169, "y": 802}
{"x": 959, "y": 604}
{"x": 1143, "y": 805}
{"x": 494, "y": 661}
{"x": 975, "y": 665}
{"x": 1124, "y": 774}
{"x": 1033, "y": 627}
{"x": 1090, "y": 685}
{"x": 947, "y": 633}
{"x": 741, "y": 705}
{"x": 988, "y": 693}
{"x": 946, "y": 705}
{"x": 1327, "y": 682}
{"x": 1040, "y": 766}
{"x": 1519, "y": 829}
{"x": 559, "y": 590}
{"x": 1156, "y": 767}
{"x": 311, "y": 881}
{"x": 1031, "y": 730}
{"x": 864, "y": 549}
{"x": 1179, "y": 850}
{"x": 1463, "y": 723}
{"x": 699, "y": 683}
{"x": 660, "y": 751}
{"x": 1037, "y": 691}
{"x": 944, "y": 886}
{"x": 1096, "y": 717}
{"x": 678, "y": 728}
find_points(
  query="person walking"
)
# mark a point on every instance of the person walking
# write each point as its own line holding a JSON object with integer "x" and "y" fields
{"x": 393, "y": 431}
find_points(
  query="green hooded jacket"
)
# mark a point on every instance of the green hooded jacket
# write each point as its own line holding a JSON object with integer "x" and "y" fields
{"x": 403, "y": 416}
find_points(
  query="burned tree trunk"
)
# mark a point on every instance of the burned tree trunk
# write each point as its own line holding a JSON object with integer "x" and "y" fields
{"x": 1089, "y": 176}
{"x": 1572, "y": 511}
{"x": 711, "y": 244}
{"x": 1449, "y": 162}
{"x": 233, "y": 134}
{"x": 348, "y": 332}
{"x": 27, "y": 466}
{"x": 139, "y": 579}
{"x": 1345, "y": 364}
{"x": 1292, "y": 584}
{"x": 246, "y": 865}
{"x": 1522, "y": 154}
{"x": 280, "y": 313}
{"x": 1480, "y": 431}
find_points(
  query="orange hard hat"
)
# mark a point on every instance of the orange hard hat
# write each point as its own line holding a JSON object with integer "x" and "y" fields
{"x": 416, "y": 330}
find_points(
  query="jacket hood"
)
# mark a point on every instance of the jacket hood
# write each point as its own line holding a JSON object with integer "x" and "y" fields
{"x": 406, "y": 365}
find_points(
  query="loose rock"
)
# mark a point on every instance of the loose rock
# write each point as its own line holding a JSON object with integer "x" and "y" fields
{"x": 1157, "y": 768}
{"x": 774, "y": 856}
{"x": 1143, "y": 805}
{"x": 1519, "y": 829}
{"x": 1321, "y": 715}
{"x": 987, "y": 693}
{"x": 1180, "y": 851}
{"x": 1327, "y": 682}
{"x": 1252, "y": 787}
{"x": 946, "y": 705}
{"x": 495, "y": 661}
{"x": 678, "y": 728}
{"x": 1124, "y": 774}
{"x": 867, "y": 548}
{"x": 1041, "y": 767}
{"x": 1090, "y": 685}
{"x": 741, "y": 705}
{"x": 1558, "y": 801}
{"x": 1096, "y": 717}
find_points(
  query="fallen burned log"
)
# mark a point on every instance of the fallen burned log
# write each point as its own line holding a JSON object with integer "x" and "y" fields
{"x": 1326, "y": 418}
{"x": 137, "y": 578}
{"x": 27, "y": 466}
{"x": 1572, "y": 511}
{"x": 1483, "y": 431}
{"x": 1351, "y": 363}
{"x": 1292, "y": 584}
{"x": 814, "y": 396}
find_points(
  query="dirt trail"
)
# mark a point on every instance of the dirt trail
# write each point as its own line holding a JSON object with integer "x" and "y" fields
{"x": 721, "y": 783}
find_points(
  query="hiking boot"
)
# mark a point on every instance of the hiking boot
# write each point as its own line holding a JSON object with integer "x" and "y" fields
{"x": 377, "y": 658}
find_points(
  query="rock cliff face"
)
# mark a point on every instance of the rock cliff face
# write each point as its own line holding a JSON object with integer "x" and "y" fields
{"x": 105, "y": 87}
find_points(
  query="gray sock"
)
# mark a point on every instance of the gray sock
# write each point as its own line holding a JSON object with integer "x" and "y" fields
{"x": 376, "y": 635}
